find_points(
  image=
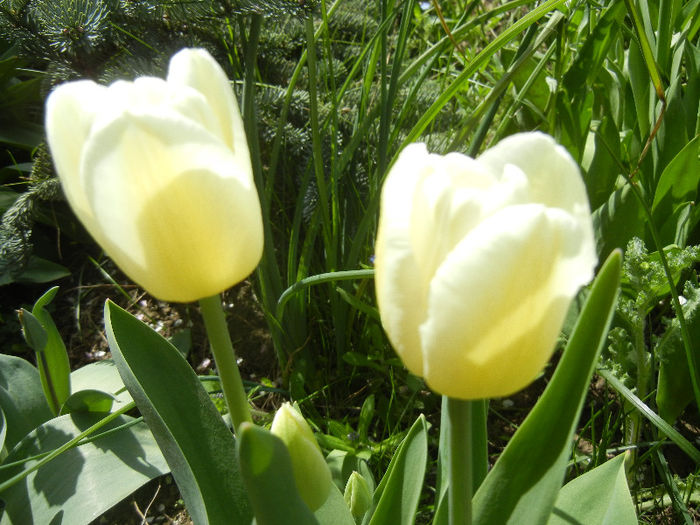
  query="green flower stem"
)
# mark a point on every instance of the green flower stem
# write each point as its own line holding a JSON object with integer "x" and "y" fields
{"x": 460, "y": 474}
{"x": 225, "y": 359}
{"x": 480, "y": 443}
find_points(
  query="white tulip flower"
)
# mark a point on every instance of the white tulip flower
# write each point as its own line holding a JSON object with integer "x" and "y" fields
{"x": 478, "y": 260}
{"x": 159, "y": 173}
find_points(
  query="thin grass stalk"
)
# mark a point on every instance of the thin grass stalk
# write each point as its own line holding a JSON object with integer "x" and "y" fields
{"x": 385, "y": 112}
{"x": 66, "y": 446}
{"x": 495, "y": 45}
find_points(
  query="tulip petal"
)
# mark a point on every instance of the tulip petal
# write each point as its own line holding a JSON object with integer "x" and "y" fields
{"x": 167, "y": 195}
{"x": 150, "y": 95}
{"x": 477, "y": 343}
{"x": 397, "y": 280}
{"x": 196, "y": 68}
{"x": 70, "y": 113}
{"x": 553, "y": 176}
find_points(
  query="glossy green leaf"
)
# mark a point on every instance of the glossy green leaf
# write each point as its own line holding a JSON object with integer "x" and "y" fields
{"x": 199, "y": 447}
{"x": 396, "y": 498}
{"x": 267, "y": 472}
{"x": 88, "y": 401}
{"x": 600, "y": 496}
{"x": 618, "y": 220}
{"x": 523, "y": 484}
{"x": 84, "y": 482}
{"x": 21, "y": 397}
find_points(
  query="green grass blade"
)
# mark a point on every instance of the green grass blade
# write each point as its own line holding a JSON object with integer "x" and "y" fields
{"x": 647, "y": 51}
{"x": 486, "y": 53}
{"x": 675, "y": 436}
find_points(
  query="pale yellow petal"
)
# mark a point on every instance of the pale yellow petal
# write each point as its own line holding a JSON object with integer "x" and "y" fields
{"x": 175, "y": 208}
{"x": 70, "y": 113}
{"x": 197, "y": 69}
{"x": 553, "y": 176}
{"x": 401, "y": 293}
{"x": 498, "y": 301}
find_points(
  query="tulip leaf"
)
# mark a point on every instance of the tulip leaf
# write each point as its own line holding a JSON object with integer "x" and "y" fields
{"x": 101, "y": 375}
{"x": 522, "y": 486}
{"x": 84, "y": 482}
{"x": 334, "y": 511}
{"x": 21, "y": 398}
{"x": 396, "y": 498}
{"x": 618, "y": 220}
{"x": 195, "y": 441}
{"x": 42, "y": 336}
{"x": 267, "y": 473}
{"x": 600, "y": 496}
{"x": 89, "y": 400}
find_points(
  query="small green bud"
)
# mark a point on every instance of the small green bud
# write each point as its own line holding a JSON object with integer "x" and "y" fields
{"x": 311, "y": 472}
{"x": 357, "y": 496}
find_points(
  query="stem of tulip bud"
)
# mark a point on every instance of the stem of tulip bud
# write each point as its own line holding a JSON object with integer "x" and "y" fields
{"x": 459, "y": 413}
{"x": 225, "y": 359}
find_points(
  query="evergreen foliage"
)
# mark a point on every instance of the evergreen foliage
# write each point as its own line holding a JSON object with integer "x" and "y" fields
{"x": 111, "y": 39}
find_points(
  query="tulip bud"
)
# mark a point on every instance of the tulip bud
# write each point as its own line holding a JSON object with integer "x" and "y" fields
{"x": 477, "y": 261}
{"x": 311, "y": 472}
{"x": 159, "y": 173}
{"x": 357, "y": 496}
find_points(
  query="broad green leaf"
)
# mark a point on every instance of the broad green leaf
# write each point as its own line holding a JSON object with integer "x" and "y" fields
{"x": 594, "y": 51}
{"x": 617, "y": 221}
{"x": 21, "y": 397}
{"x": 679, "y": 183}
{"x": 267, "y": 472}
{"x": 639, "y": 83}
{"x": 40, "y": 270}
{"x": 601, "y": 161}
{"x": 523, "y": 484}
{"x": 342, "y": 463}
{"x": 84, "y": 482}
{"x": 101, "y": 375}
{"x": 88, "y": 401}
{"x": 396, "y": 497}
{"x": 198, "y": 446}
{"x": 335, "y": 511}
{"x": 600, "y": 496}
{"x": 674, "y": 387}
